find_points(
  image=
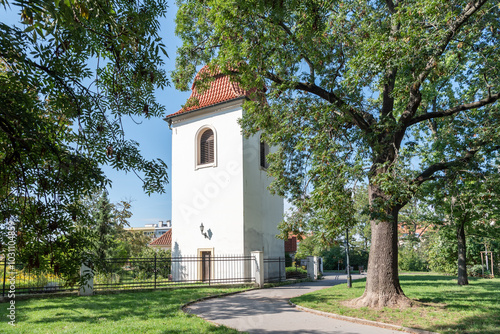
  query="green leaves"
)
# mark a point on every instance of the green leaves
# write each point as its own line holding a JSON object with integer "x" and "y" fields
{"x": 393, "y": 94}
{"x": 67, "y": 79}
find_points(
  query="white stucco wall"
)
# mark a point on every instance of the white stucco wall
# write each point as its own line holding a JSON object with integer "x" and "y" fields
{"x": 262, "y": 210}
{"x": 230, "y": 198}
{"x": 212, "y": 195}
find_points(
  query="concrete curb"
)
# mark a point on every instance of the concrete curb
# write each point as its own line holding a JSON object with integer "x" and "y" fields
{"x": 361, "y": 321}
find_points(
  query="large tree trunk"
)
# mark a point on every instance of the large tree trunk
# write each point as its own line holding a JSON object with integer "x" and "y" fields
{"x": 382, "y": 283}
{"x": 462, "y": 260}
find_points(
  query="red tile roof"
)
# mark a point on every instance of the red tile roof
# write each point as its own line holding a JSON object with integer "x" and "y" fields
{"x": 221, "y": 90}
{"x": 291, "y": 244}
{"x": 403, "y": 228}
{"x": 164, "y": 240}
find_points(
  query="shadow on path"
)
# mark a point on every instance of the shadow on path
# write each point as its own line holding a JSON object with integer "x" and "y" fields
{"x": 268, "y": 311}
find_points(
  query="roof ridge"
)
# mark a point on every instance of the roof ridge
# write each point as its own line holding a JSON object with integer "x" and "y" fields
{"x": 164, "y": 240}
{"x": 222, "y": 89}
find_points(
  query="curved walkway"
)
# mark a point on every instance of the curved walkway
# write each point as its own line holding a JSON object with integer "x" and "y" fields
{"x": 268, "y": 311}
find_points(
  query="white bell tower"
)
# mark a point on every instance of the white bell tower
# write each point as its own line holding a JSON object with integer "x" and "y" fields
{"x": 220, "y": 201}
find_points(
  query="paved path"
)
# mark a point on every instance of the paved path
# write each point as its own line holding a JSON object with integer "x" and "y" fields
{"x": 268, "y": 311}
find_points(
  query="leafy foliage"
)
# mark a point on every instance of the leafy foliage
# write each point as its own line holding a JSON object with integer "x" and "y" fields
{"x": 163, "y": 263}
{"x": 354, "y": 89}
{"x": 69, "y": 74}
{"x": 467, "y": 202}
{"x": 441, "y": 251}
{"x": 411, "y": 259}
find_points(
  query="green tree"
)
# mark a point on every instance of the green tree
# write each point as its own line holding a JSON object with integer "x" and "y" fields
{"x": 334, "y": 258}
{"x": 469, "y": 204}
{"x": 105, "y": 229}
{"x": 351, "y": 90}
{"x": 106, "y": 222}
{"x": 415, "y": 220}
{"x": 134, "y": 242}
{"x": 70, "y": 72}
{"x": 309, "y": 247}
{"x": 442, "y": 251}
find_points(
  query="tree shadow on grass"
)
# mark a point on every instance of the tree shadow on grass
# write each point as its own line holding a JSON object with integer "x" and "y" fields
{"x": 158, "y": 306}
{"x": 444, "y": 290}
{"x": 440, "y": 294}
{"x": 483, "y": 324}
{"x": 460, "y": 301}
{"x": 423, "y": 280}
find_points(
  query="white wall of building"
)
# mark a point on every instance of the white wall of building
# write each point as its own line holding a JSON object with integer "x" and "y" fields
{"x": 212, "y": 195}
{"x": 231, "y": 198}
{"x": 262, "y": 210}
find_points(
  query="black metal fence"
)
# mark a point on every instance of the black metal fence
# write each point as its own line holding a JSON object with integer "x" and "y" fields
{"x": 274, "y": 269}
{"x": 152, "y": 273}
{"x": 20, "y": 279}
{"x": 135, "y": 273}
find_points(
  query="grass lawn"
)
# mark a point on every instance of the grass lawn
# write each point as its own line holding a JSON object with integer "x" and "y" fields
{"x": 445, "y": 306}
{"x": 128, "y": 312}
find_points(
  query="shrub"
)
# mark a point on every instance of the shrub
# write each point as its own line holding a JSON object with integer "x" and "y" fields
{"x": 411, "y": 260}
{"x": 475, "y": 270}
{"x": 294, "y": 272}
{"x": 293, "y": 269}
{"x": 145, "y": 268}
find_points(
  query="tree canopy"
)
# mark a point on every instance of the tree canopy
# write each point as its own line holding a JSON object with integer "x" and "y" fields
{"x": 356, "y": 89}
{"x": 70, "y": 71}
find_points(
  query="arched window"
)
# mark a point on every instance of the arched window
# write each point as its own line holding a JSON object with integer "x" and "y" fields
{"x": 264, "y": 151}
{"x": 206, "y": 148}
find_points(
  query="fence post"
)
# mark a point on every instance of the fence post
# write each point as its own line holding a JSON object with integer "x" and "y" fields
{"x": 155, "y": 271}
{"x": 87, "y": 289}
{"x": 316, "y": 267}
{"x": 279, "y": 270}
{"x": 4, "y": 273}
{"x": 258, "y": 267}
{"x": 310, "y": 267}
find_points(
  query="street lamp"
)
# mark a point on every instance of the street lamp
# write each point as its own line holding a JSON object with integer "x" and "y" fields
{"x": 203, "y": 233}
{"x": 349, "y": 284}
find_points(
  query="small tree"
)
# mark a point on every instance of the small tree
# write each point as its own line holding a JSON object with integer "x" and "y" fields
{"x": 469, "y": 204}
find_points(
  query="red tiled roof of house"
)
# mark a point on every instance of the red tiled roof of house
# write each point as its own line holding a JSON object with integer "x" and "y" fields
{"x": 221, "y": 90}
{"x": 164, "y": 240}
{"x": 291, "y": 244}
{"x": 403, "y": 228}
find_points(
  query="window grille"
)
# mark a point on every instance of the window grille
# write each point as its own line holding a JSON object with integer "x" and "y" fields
{"x": 264, "y": 150}
{"x": 207, "y": 147}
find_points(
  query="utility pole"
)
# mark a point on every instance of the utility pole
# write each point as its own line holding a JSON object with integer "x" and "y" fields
{"x": 349, "y": 283}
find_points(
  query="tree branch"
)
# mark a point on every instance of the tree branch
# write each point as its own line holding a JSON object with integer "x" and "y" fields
{"x": 415, "y": 95}
{"x": 469, "y": 10}
{"x": 440, "y": 166}
{"x": 362, "y": 119}
{"x": 391, "y": 5}
{"x": 306, "y": 59}
{"x": 467, "y": 106}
